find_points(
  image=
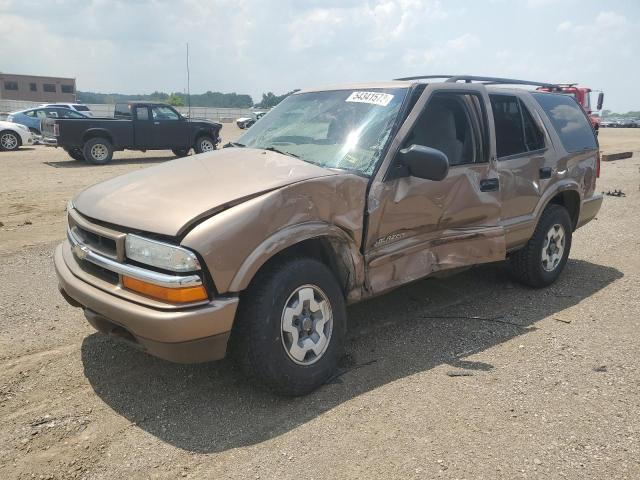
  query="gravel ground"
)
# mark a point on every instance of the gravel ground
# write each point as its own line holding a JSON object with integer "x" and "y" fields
{"x": 471, "y": 376}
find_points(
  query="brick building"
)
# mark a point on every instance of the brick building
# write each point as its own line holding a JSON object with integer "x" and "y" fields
{"x": 37, "y": 89}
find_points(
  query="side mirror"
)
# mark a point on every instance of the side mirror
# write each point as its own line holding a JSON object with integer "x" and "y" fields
{"x": 600, "y": 100}
{"x": 425, "y": 162}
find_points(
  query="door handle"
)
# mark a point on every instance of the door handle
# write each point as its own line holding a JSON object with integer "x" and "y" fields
{"x": 545, "y": 172}
{"x": 490, "y": 185}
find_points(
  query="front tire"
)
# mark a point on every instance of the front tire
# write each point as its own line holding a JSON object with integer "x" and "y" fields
{"x": 541, "y": 261}
{"x": 9, "y": 141}
{"x": 290, "y": 326}
{"x": 98, "y": 151}
{"x": 204, "y": 144}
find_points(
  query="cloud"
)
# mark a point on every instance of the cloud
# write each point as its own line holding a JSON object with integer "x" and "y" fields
{"x": 451, "y": 48}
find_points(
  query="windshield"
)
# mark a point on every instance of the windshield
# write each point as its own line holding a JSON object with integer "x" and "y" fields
{"x": 345, "y": 129}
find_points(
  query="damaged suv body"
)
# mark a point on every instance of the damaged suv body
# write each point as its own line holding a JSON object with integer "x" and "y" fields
{"x": 335, "y": 196}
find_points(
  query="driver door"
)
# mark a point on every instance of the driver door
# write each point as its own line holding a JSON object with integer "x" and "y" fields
{"x": 416, "y": 226}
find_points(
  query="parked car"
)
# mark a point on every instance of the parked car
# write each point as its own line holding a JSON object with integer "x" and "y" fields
{"x": 246, "y": 122}
{"x": 33, "y": 117}
{"x": 336, "y": 196}
{"x": 135, "y": 126}
{"x": 13, "y": 136}
{"x": 78, "y": 107}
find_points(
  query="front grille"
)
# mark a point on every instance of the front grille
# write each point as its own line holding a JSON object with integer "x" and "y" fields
{"x": 99, "y": 244}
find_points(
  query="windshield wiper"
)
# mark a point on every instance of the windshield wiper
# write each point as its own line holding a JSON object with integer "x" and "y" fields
{"x": 233, "y": 144}
{"x": 274, "y": 149}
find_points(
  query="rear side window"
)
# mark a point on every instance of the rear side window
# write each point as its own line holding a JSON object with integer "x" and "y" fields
{"x": 81, "y": 108}
{"x": 516, "y": 131}
{"x": 123, "y": 110}
{"x": 142, "y": 113}
{"x": 569, "y": 120}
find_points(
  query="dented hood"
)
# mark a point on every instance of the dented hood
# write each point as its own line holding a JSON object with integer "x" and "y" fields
{"x": 167, "y": 198}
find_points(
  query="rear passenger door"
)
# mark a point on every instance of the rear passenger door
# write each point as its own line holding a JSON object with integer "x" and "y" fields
{"x": 521, "y": 148}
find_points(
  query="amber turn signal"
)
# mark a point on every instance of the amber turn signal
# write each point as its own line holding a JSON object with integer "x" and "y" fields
{"x": 173, "y": 295}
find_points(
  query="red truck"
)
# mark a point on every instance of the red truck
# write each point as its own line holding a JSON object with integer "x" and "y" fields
{"x": 582, "y": 96}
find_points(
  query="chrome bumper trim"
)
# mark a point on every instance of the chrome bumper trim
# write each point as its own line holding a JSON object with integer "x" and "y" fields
{"x": 83, "y": 252}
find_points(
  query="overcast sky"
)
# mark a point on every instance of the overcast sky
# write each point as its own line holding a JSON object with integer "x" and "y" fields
{"x": 253, "y": 46}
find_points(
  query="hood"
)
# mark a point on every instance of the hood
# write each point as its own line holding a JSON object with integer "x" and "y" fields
{"x": 167, "y": 198}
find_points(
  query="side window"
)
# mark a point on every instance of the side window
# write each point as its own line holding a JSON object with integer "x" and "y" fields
{"x": 569, "y": 120}
{"x": 446, "y": 125}
{"x": 31, "y": 114}
{"x": 41, "y": 114}
{"x": 142, "y": 113}
{"x": 533, "y": 137}
{"x": 163, "y": 113}
{"x": 65, "y": 113}
{"x": 122, "y": 110}
{"x": 50, "y": 113}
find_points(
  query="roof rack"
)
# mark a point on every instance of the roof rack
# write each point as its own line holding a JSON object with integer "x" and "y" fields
{"x": 483, "y": 80}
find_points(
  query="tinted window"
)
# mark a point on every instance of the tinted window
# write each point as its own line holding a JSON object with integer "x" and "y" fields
{"x": 569, "y": 120}
{"x": 49, "y": 87}
{"x": 123, "y": 110}
{"x": 66, "y": 88}
{"x": 142, "y": 113}
{"x": 163, "y": 113}
{"x": 11, "y": 85}
{"x": 81, "y": 108}
{"x": 33, "y": 87}
{"x": 516, "y": 131}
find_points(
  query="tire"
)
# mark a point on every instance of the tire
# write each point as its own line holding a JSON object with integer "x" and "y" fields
{"x": 9, "y": 141}
{"x": 76, "y": 154}
{"x": 180, "y": 152}
{"x": 98, "y": 151}
{"x": 204, "y": 143}
{"x": 541, "y": 261}
{"x": 266, "y": 351}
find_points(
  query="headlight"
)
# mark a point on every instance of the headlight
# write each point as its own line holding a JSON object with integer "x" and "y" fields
{"x": 161, "y": 255}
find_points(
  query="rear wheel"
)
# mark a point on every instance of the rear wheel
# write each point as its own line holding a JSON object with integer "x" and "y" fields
{"x": 541, "y": 261}
{"x": 98, "y": 151}
{"x": 290, "y": 326}
{"x": 180, "y": 152}
{"x": 76, "y": 154}
{"x": 9, "y": 141}
{"x": 204, "y": 144}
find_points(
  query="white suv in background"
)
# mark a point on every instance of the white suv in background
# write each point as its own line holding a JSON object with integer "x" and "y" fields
{"x": 73, "y": 106}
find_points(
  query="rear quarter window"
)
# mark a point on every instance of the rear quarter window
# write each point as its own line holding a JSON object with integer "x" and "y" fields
{"x": 569, "y": 120}
{"x": 122, "y": 110}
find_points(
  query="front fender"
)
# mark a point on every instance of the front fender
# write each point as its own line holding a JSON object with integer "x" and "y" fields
{"x": 289, "y": 237}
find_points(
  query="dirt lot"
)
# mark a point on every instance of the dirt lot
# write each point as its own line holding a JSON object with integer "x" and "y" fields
{"x": 471, "y": 376}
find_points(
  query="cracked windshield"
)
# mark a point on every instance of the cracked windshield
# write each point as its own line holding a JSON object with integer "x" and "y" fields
{"x": 344, "y": 129}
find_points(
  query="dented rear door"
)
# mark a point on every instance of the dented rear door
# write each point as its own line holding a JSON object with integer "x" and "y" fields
{"x": 417, "y": 227}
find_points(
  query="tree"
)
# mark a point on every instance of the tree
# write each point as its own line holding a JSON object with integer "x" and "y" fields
{"x": 175, "y": 100}
{"x": 270, "y": 100}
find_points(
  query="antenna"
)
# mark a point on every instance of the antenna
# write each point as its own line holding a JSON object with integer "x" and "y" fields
{"x": 188, "y": 84}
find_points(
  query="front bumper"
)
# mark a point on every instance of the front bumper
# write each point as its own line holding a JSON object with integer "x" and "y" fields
{"x": 189, "y": 335}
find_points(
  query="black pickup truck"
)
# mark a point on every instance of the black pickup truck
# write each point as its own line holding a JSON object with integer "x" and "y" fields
{"x": 135, "y": 126}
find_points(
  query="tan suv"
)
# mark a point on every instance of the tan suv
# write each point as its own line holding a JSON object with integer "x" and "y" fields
{"x": 336, "y": 195}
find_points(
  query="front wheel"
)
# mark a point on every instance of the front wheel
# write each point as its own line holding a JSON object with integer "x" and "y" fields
{"x": 541, "y": 261}
{"x": 290, "y": 326}
{"x": 9, "y": 141}
{"x": 204, "y": 144}
{"x": 98, "y": 151}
